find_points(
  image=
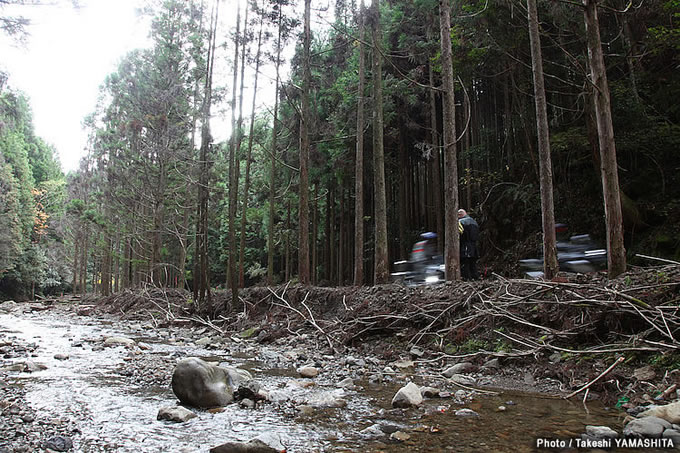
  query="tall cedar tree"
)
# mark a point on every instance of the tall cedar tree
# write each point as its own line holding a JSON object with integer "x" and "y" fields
{"x": 359, "y": 165}
{"x": 452, "y": 248}
{"x": 550, "y": 266}
{"x": 381, "y": 271}
{"x": 305, "y": 121}
{"x": 616, "y": 256}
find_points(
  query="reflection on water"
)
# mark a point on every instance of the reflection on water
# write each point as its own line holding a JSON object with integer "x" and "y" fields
{"x": 112, "y": 416}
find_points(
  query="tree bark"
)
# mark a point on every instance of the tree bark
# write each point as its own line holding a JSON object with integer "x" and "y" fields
{"x": 381, "y": 272}
{"x": 233, "y": 172}
{"x": 359, "y": 160}
{"x": 246, "y": 187}
{"x": 201, "y": 281}
{"x": 303, "y": 253}
{"x": 436, "y": 165}
{"x": 550, "y": 266}
{"x": 452, "y": 241}
{"x": 272, "y": 172}
{"x": 616, "y": 253}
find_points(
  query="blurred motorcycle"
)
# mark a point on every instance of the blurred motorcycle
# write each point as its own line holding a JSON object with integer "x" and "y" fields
{"x": 578, "y": 254}
{"x": 424, "y": 266}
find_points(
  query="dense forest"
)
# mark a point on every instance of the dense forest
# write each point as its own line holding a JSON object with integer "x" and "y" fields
{"x": 380, "y": 130}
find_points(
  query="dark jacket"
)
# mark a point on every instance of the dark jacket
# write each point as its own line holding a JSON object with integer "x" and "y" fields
{"x": 469, "y": 238}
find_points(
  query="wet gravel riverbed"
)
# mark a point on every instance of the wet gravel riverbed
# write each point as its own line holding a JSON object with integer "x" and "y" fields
{"x": 95, "y": 384}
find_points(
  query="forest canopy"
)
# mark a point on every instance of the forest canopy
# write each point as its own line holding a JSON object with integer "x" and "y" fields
{"x": 157, "y": 201}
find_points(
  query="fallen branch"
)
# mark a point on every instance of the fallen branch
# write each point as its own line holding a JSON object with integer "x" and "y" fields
{"x": 604, "y": 373}
{"x": 302, "y": 315}
{"x": 663, "y": 260}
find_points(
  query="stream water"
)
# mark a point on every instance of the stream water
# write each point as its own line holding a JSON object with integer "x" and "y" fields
{"x": 113, "y": 415}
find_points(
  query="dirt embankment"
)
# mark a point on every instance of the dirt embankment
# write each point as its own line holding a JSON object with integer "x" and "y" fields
{"x": 564, "y": 332}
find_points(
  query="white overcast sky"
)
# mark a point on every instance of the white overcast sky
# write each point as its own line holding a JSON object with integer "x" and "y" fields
{"x": 70, "y": 51}
{"x": 67, "y": 56}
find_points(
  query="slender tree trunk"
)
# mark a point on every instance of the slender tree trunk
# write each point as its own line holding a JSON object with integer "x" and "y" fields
{"x": 382, "y": 270}
{"x": 452, "y": 247}
{"x": 315, "y": 234}
{"x": 341, "y": 238}
{"x": 469, "y": 179}
{"x": 329, "y": 240}
{"x": 404, "y": 199}
{"x": 288, "y": 253}
{"x": 272, "y": 172}
{"x": 246, "y": 187}
{"x": 616, "y": 252}
{"x": 76, "y": 264}
{"x": 550, "y": 266}
{"x": 233, "y": 163}
{"x": 436, "y": 165}
{"x": 359, "y": 164}
{"x": 201, "y": 271}
{"x": 303, "y": 254}
{"x": 507, "y": 124}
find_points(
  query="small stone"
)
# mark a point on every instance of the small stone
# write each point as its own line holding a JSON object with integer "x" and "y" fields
{"x": 645, "y": 427}
{"x": 645, "y": 373}
{"x": 458, "y": 368}
{"x": 466, "y": 413}
{"x": 555, "y": 357}
{"x": 463, "y": 380}
{"x": 177, "y": 414}
{"x": 492, "y": 364}
{"x": 429, "y": 392}
{"x": 204, "y": 341}
{"x": 601, "y": 432}
{"x": 305, "y": 409}
{"x": 308, "y": 371}
{"x": 502, "y": 409}
{"x": 407, "y": 396}
{"x": 400, "y": 436}
{"x": 61, "y": 356}
{"x": 247, "y": 403}
{"x": 346, "y": 383}
{"x": 59, "y": 443}
{"x": 118, "y": 341}
{"x": 404, "y": 364}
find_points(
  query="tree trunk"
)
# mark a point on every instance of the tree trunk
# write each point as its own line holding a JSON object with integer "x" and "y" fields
{"x": 246, "y": 187}
{"x": 436, "y": 165}
{"x": 452, "y": 247}
{"x": 381, "y": 273}
{"x": 550, "y": 266}
{"x": 272, "y": 173}
{"x": 315, "y": 234}
{"x": 201, "y": 272}
{"x": 76, "y": 264}
{"x": 233, "y": 163}
{"x": 616, "y": 253}
{"x": 303, "y": 253}
{"x": 359, "y": 161}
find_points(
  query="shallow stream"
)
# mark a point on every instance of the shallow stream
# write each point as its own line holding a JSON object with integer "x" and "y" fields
{"x": 114, "y": 415}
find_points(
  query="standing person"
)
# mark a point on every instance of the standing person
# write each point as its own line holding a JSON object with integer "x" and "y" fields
{"x": 469, "y": 252}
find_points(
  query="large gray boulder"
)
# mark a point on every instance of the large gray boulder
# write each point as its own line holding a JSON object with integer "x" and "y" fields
{"x": 200, "y": 384}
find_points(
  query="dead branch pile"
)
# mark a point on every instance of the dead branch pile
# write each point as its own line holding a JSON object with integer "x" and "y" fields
{"x": 639, "y": 311}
